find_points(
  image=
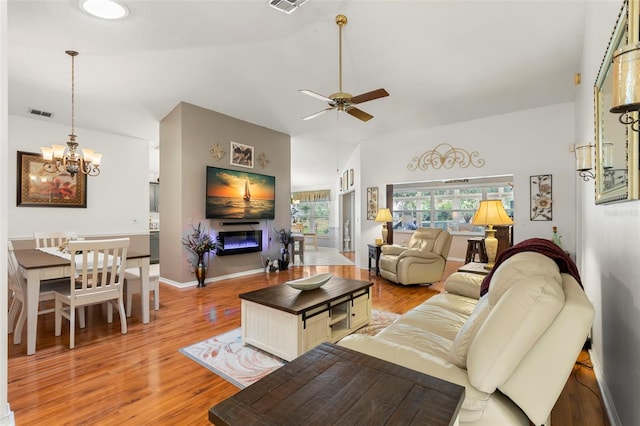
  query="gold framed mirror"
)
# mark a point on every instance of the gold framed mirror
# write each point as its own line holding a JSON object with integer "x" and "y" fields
{"x": 616, "y": 167}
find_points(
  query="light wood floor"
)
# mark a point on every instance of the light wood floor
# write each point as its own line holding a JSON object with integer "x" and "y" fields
{"x": 140, "y": 378}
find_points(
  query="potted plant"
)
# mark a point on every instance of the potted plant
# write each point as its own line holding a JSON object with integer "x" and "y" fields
{"x": 199, "y": 242}
{"x": 285, "y": 237}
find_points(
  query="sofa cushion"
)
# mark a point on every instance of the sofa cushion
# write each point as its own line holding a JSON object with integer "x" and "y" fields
{"x": 517, "y": 267}
{"x": 460, "y": 345}
{"x": 524, "y": 300}
{"x": 430, "y": 327}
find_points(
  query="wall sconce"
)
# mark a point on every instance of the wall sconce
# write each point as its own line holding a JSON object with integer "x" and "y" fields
{"x": 584, "y": 165}
{"x": 626, "y": 84}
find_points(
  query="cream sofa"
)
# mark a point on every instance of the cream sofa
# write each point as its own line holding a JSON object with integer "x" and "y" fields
{"x": 422, "y": 261}
{"x": 512, "y": 349}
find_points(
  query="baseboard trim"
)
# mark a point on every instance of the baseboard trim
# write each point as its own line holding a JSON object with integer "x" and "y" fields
{"x": 210, "y": 280}
{"x": 609, "y": 406}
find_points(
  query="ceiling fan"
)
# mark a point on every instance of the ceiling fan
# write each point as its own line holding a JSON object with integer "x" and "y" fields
{"x": 341, "y": 100}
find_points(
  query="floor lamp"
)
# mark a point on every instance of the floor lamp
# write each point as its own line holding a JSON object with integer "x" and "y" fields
{"x": 490, "y": 213}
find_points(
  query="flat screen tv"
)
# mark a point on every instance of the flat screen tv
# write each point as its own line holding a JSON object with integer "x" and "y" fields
{"x": 234, "y": 194}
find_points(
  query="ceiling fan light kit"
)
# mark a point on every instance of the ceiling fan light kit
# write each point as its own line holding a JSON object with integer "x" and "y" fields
{"x": 341, "y": 100}
{"x": 286, "y": 6}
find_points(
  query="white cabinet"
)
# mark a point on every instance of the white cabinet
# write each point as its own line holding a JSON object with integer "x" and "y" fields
{"x": 289, "y": 335}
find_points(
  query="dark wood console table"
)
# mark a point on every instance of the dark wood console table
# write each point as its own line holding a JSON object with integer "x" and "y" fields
{"x": 332, "y": 385}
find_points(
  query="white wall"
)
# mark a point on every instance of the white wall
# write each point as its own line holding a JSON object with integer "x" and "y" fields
{"x": 523, "y": 143}
{"x": 609, "y": 248}
{"x": 6, "y": 415}
{"x": 117, "y": 199}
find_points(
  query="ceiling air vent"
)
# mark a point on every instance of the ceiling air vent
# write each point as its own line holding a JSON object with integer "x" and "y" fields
{"x": 286, "y": 6}
{"x": 41, "y": 113}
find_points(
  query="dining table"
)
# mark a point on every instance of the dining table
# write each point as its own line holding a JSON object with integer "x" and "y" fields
{"x": 36, "y": 266}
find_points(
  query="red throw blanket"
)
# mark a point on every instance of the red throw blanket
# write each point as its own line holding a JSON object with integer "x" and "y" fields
{"x": 538, "y": 245}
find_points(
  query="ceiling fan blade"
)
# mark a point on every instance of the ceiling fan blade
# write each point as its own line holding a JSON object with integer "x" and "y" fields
{"x": 318, "y": 113}
{"x": 316, "y": 95}
{"x": 359, "y": 114}
{"x": 369, "y": 96}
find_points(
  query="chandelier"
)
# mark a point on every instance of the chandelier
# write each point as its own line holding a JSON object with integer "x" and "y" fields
{"x": 60, "y": 158}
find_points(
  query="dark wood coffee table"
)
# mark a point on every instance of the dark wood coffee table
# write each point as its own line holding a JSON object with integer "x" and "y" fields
{"x": 332, "y": 385}
{"x": 287, "y": 322}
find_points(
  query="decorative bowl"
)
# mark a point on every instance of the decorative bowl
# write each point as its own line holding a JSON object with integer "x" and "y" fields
{"x": 310, "y": 283}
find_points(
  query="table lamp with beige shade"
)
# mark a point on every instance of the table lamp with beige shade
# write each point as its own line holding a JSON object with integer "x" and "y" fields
{"x": 490, "y": 213}
{"x": 384, "y": 216}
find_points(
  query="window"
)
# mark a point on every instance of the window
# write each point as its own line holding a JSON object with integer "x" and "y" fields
{"x": 449, "y": 206}
{"x": 311, "y": 208}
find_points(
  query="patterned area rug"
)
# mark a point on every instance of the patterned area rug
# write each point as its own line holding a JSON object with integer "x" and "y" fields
{"x": 243, "y": 365}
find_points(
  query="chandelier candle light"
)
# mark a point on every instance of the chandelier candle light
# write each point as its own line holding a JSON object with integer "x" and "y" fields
{"x": 384, "y": 216}
{"x": 58, "y": 158}
{"x": 489, "y": 213}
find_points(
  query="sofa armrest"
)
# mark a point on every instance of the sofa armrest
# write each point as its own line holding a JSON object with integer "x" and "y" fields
{"x": 464, "y": 284}
{"x": 392, "y": 249}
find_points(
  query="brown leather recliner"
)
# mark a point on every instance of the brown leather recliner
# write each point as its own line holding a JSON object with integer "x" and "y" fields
{"x": 422, "y": 261}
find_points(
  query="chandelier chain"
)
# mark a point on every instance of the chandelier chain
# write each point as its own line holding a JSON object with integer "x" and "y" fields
{"x": 73, "y": 94}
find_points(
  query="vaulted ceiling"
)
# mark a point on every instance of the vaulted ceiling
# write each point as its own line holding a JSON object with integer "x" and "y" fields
{"x": 440, "y": 61}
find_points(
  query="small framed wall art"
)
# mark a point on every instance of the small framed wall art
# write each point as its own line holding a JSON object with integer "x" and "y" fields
{"x": 372, "y": 203}
{"x": 241, "y": 155}
{"x": 39, "y": 188}
{"x": 541, "y": 200}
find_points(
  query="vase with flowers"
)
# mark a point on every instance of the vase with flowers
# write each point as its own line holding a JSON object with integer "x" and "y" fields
{"x": 199, "y": 242}
{"x": 286, "y": 238}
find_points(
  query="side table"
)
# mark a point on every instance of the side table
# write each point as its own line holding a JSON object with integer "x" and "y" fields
{"x": 374, "y": 254}
{"x": 475, "y": 268}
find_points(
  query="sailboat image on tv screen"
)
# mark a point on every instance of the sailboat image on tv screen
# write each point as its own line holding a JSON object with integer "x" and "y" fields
{"x": 247, "y": 193}
{"x": 235, "y": 194}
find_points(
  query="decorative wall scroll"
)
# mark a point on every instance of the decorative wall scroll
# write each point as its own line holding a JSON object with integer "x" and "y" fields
{"x": 445, "y": 155}
{"x": 541, "y": 208}
{"x": 372, "y": 203}
{"x": 217, "y": 152}
{"x": 38, "y": 188}
{"x": 262, "y": 160}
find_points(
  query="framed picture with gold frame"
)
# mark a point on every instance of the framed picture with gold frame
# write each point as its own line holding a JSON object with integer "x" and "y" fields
{"x": 38, "y": 188}
{"x": 616, "y": 144}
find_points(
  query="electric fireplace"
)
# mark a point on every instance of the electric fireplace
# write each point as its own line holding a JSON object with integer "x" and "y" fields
{"x": 238, "y": 242}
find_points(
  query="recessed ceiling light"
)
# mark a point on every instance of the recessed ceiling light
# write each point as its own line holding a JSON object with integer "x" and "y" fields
{"x": 105, "y": 9}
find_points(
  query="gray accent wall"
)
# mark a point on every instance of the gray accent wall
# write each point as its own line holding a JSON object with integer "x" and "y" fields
{"x": 186, "y": 135}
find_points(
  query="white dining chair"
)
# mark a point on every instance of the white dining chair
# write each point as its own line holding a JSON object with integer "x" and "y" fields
{"x": 17, "y": 315}
{"x": 53, "y": 239}
{"x": 99, "y": 267}
{"x": 311, "y": 237}
{"x": 134, "y": 285}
